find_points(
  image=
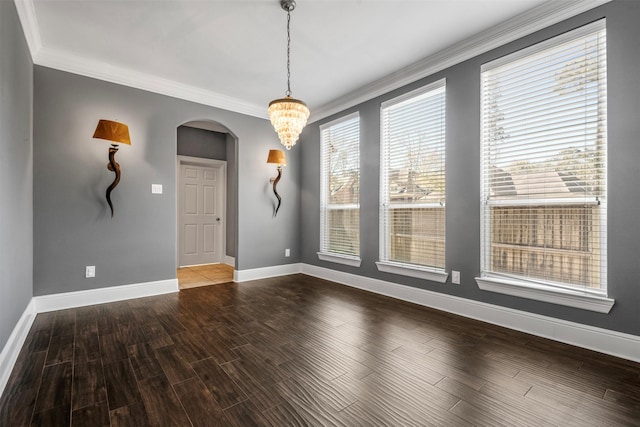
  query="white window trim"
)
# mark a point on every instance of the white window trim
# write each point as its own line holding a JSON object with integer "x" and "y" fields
{"x": 546, "y": 293}
{"x": 350, "y": 260}
{"x": 340, "y": 259}
{"x": 581, "y": 298}
{"x": 385, "y": 265}
{"x": 434, "y": 275}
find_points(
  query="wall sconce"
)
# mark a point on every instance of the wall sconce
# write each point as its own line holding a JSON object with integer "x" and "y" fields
{"x": 277, "y": 157}
{"x": 118, "y": 133}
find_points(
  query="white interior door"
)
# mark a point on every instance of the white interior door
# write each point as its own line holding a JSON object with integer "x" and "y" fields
{"x": 200, "y": 211}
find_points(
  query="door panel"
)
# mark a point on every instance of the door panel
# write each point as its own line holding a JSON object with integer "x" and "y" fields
{"x": 191, "y": 172}
{"x": 209, "y": 238}
{"x": 190, "y": 239}
{"x": 209, "y": 202}
{"x": 191, "y": 199}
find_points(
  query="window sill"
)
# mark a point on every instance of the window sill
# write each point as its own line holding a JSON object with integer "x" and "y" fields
{"x": 544, "y": 293}
{"x": 340, "y": 259}
{"x": 403, "y": 270}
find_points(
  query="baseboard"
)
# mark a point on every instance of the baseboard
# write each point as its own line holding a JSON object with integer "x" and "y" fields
{"x": 103, "y": 295}
{"x": 11, "y": 350}
{"x": 264, "y": 272}
{"x": 617, "y": 344}
{"x": 229, "y": 260}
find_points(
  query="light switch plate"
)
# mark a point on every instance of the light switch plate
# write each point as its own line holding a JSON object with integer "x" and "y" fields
{"x": 156, "y": 188}
{"x": 455, "y": 277}
{"x": 90, "y": 271}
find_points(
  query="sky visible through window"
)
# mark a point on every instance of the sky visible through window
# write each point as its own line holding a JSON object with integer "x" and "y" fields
{"x": 560, "y": 114}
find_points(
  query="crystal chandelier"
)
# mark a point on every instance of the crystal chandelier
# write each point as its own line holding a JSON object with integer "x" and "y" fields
{"x": 288, "y": 115}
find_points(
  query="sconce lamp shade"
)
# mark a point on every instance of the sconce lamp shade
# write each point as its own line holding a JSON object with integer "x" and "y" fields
{"x": 112, "y": 131}
{"x": 277, "y": 157}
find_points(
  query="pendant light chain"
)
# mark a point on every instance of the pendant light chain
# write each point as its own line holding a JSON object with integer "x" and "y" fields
{"x": 288, "y": 53}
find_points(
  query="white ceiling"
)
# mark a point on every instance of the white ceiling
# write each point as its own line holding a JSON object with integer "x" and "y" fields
{"x": 232, "y": 53}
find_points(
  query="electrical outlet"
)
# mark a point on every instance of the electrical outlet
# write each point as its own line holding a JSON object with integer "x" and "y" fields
{"x": 156, "y": 188}
{"x": 287, "y": 252}
{"x": 455, "y": 277}
{"x": 90, "y": 271}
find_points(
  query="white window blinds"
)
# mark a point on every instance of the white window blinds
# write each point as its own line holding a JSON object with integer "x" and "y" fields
{"x": 544, "y": 145}
{"x": 412, "y": 190}
{"x": 340, "y": 187}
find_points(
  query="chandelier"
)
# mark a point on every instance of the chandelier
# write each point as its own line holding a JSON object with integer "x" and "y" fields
{"x": 288, "y": 115}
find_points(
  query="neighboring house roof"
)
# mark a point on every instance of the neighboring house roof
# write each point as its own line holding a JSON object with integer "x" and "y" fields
{"x": 343, "y": 189}
{"x": 416, "y": 193}
{"x": 404, "y": 189}
{"x": 534, "y": 184}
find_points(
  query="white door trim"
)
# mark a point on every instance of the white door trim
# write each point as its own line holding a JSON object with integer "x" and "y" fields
{"x": 199, "y": 161}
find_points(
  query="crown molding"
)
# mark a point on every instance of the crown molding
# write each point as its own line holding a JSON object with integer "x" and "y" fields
{"x": 547, "y": 14}
{"x": 27, "y": 15}
{"x": 75, "y": 64}
{"x": 65, "y": 61}
{"x": 540, "y": 17}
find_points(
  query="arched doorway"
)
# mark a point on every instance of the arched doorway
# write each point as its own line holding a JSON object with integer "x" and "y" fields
{"x": 206, "y": 168}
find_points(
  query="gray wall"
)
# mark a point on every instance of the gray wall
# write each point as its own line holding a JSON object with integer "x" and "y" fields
{"x": 232, "y": 195}
{"x": 463, "y": 172}
{"x": 219, "y": 146}
{"x": 16, "y": 172}
{"x": 202, "y": 143}
{"x": 72, "y": 226}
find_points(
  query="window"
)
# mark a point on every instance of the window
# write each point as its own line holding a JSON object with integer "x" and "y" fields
{"x": 544, "y": 146}
{"x": 412, "y": 184}
{"x": 340, "y": 191}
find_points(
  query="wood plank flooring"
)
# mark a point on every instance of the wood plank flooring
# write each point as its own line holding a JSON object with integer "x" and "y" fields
{"x": 300, "y": 351}
{"x": 204, "y": 275}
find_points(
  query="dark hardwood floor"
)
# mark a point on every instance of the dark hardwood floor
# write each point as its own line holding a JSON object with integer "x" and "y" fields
{"x": 300, "y": 351}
